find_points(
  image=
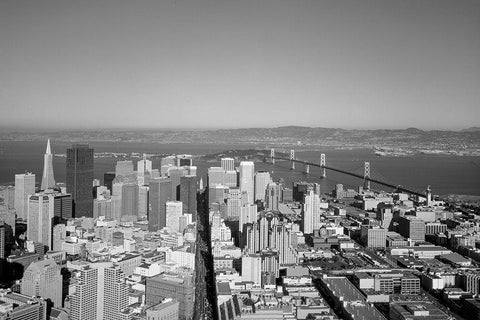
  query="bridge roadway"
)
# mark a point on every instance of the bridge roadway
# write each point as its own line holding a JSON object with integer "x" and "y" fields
{"x": 383, "y": 183}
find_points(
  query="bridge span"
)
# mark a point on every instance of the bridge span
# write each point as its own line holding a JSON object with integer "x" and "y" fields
{"x": 366, "y": 176}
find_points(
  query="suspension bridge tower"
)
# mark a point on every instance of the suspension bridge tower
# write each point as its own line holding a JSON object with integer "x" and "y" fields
{"x": 272, "y": 155}
{"x": 322, "y": 165}
{"x": 292, "y": 158}
{"x": 366, "y": 175}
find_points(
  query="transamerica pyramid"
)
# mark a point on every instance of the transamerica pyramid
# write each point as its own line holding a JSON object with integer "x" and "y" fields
{"x": 48, "y": 181}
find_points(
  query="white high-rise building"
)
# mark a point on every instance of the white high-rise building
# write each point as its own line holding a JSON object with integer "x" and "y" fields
{"x": 248, "y": 214}
{"x": 252, "y": 268}
{"x": 228, "y": 164}
{"x": 144, "y": 165}
{"x": 39, "y": 218}
{"x": 100, "y": 293}
{"x": 173, "y": 214}
{"x": 234, "y": 202}
{"x": 247, "y": 171}
{"x": 311, "y": 209}
{"x": 42, "y": 278}
{"x": 48, "y": 180}
{"x": 262, "y": 179}
{"x": 24, "y": 186}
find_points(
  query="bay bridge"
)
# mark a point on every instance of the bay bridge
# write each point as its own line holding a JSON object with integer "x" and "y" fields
{"x": 323, "y": 166}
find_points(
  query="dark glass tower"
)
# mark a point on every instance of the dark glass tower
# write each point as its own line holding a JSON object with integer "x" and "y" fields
{"x": 80, "y": 178}
{"x": 160, "y": 192}
{"x": 188, "y": 195}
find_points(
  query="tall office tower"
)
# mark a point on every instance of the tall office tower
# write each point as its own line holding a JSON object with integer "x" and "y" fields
{"x": 48, "y": 180}
{"x": 130, "y": 200}
{"x": 234, "y": 202}
{"x": 184, "y": 160}
{"x": 62, "y": 207}
{"x": 160, "y": 192}
{"x": 176, "y": 286}
{"x": 2, "y": 240}
{"x": 79, "y": 179}
{"x": 108, "y": 179}
{"x": 24, "y": 186}
{"x": 270, "y": 263}
{"x": 247, "y": 171}
{"x": 216, "y": 176}
{"x": 175, "y": 173}
{"x": 142, "y": 201}
{"x": 188, "y": 194}
{"x": 251, "y": 238}
{"x": 283, "y": 242}
{"x": 412, "y": 228}
{"x": 272, "y": 196}
{"x": 115, "y": 294}
{"x": 217, "y": 194}
{"x": 173, "y": 214}
{"x": 124, "y": 168}
{"x": 83, "y": 302}
{"x": 10, "y": 197}
{"x": 228, "y": 164}
{"x": 252, "y": 268}
{"x": 248, "y": 215}
{"x": 266, "y": 223}
{"x": 40, "y": 218}
{"x": 144, "y": 165}
{"x": 262, "y": 179}
{"x": 231, "y": 178}
{"x": 42, "y": 278}
{"x": 311, "y": 208}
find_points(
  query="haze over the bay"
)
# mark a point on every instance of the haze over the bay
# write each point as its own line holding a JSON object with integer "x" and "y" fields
{"x": 200, "y": 64}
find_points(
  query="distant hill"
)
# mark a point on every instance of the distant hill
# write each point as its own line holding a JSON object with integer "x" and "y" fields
{"x": 411, "y": 138}
{"x": 471, "y": 129}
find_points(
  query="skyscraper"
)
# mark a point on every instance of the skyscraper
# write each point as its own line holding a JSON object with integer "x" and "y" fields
{"x": 40, "y": 218}
{"x": 48, "y": 180}
{"x": 175, "y": 173}
{"x": 247, "y": 171}
{"x": 228, "y": 164}
{"x": 188, "y": 194}
{"x": 160, "y": 192}
{"x": 311, "y": 208}
{"x": 42, "y": 278}
{"x": 79, "y": 179}
{"x": 24, "y": 186}
{"x": 173, "y": 213}
{"x": 144, "y": 165}
{"x": 262, "y": 179}
{"x": 115, "y": 292}
{"x": 273, "y": 195}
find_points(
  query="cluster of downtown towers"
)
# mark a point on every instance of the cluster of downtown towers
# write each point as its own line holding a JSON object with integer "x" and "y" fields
{"x": 79, "y": 177}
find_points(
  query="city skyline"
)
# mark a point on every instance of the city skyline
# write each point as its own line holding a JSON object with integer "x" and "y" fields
{"x": 374, "y": 64}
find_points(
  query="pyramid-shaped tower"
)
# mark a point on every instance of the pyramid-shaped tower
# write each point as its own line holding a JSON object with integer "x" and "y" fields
{"x": 48, "y": 181}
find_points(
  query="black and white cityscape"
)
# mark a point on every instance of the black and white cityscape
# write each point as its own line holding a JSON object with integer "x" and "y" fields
{"x": 239, "y": 160}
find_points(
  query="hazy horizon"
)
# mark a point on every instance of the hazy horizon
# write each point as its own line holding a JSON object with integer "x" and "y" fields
{"x": 86, "y": 65}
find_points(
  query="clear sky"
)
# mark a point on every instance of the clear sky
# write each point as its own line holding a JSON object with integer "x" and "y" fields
{"x": 240, "y": 63}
